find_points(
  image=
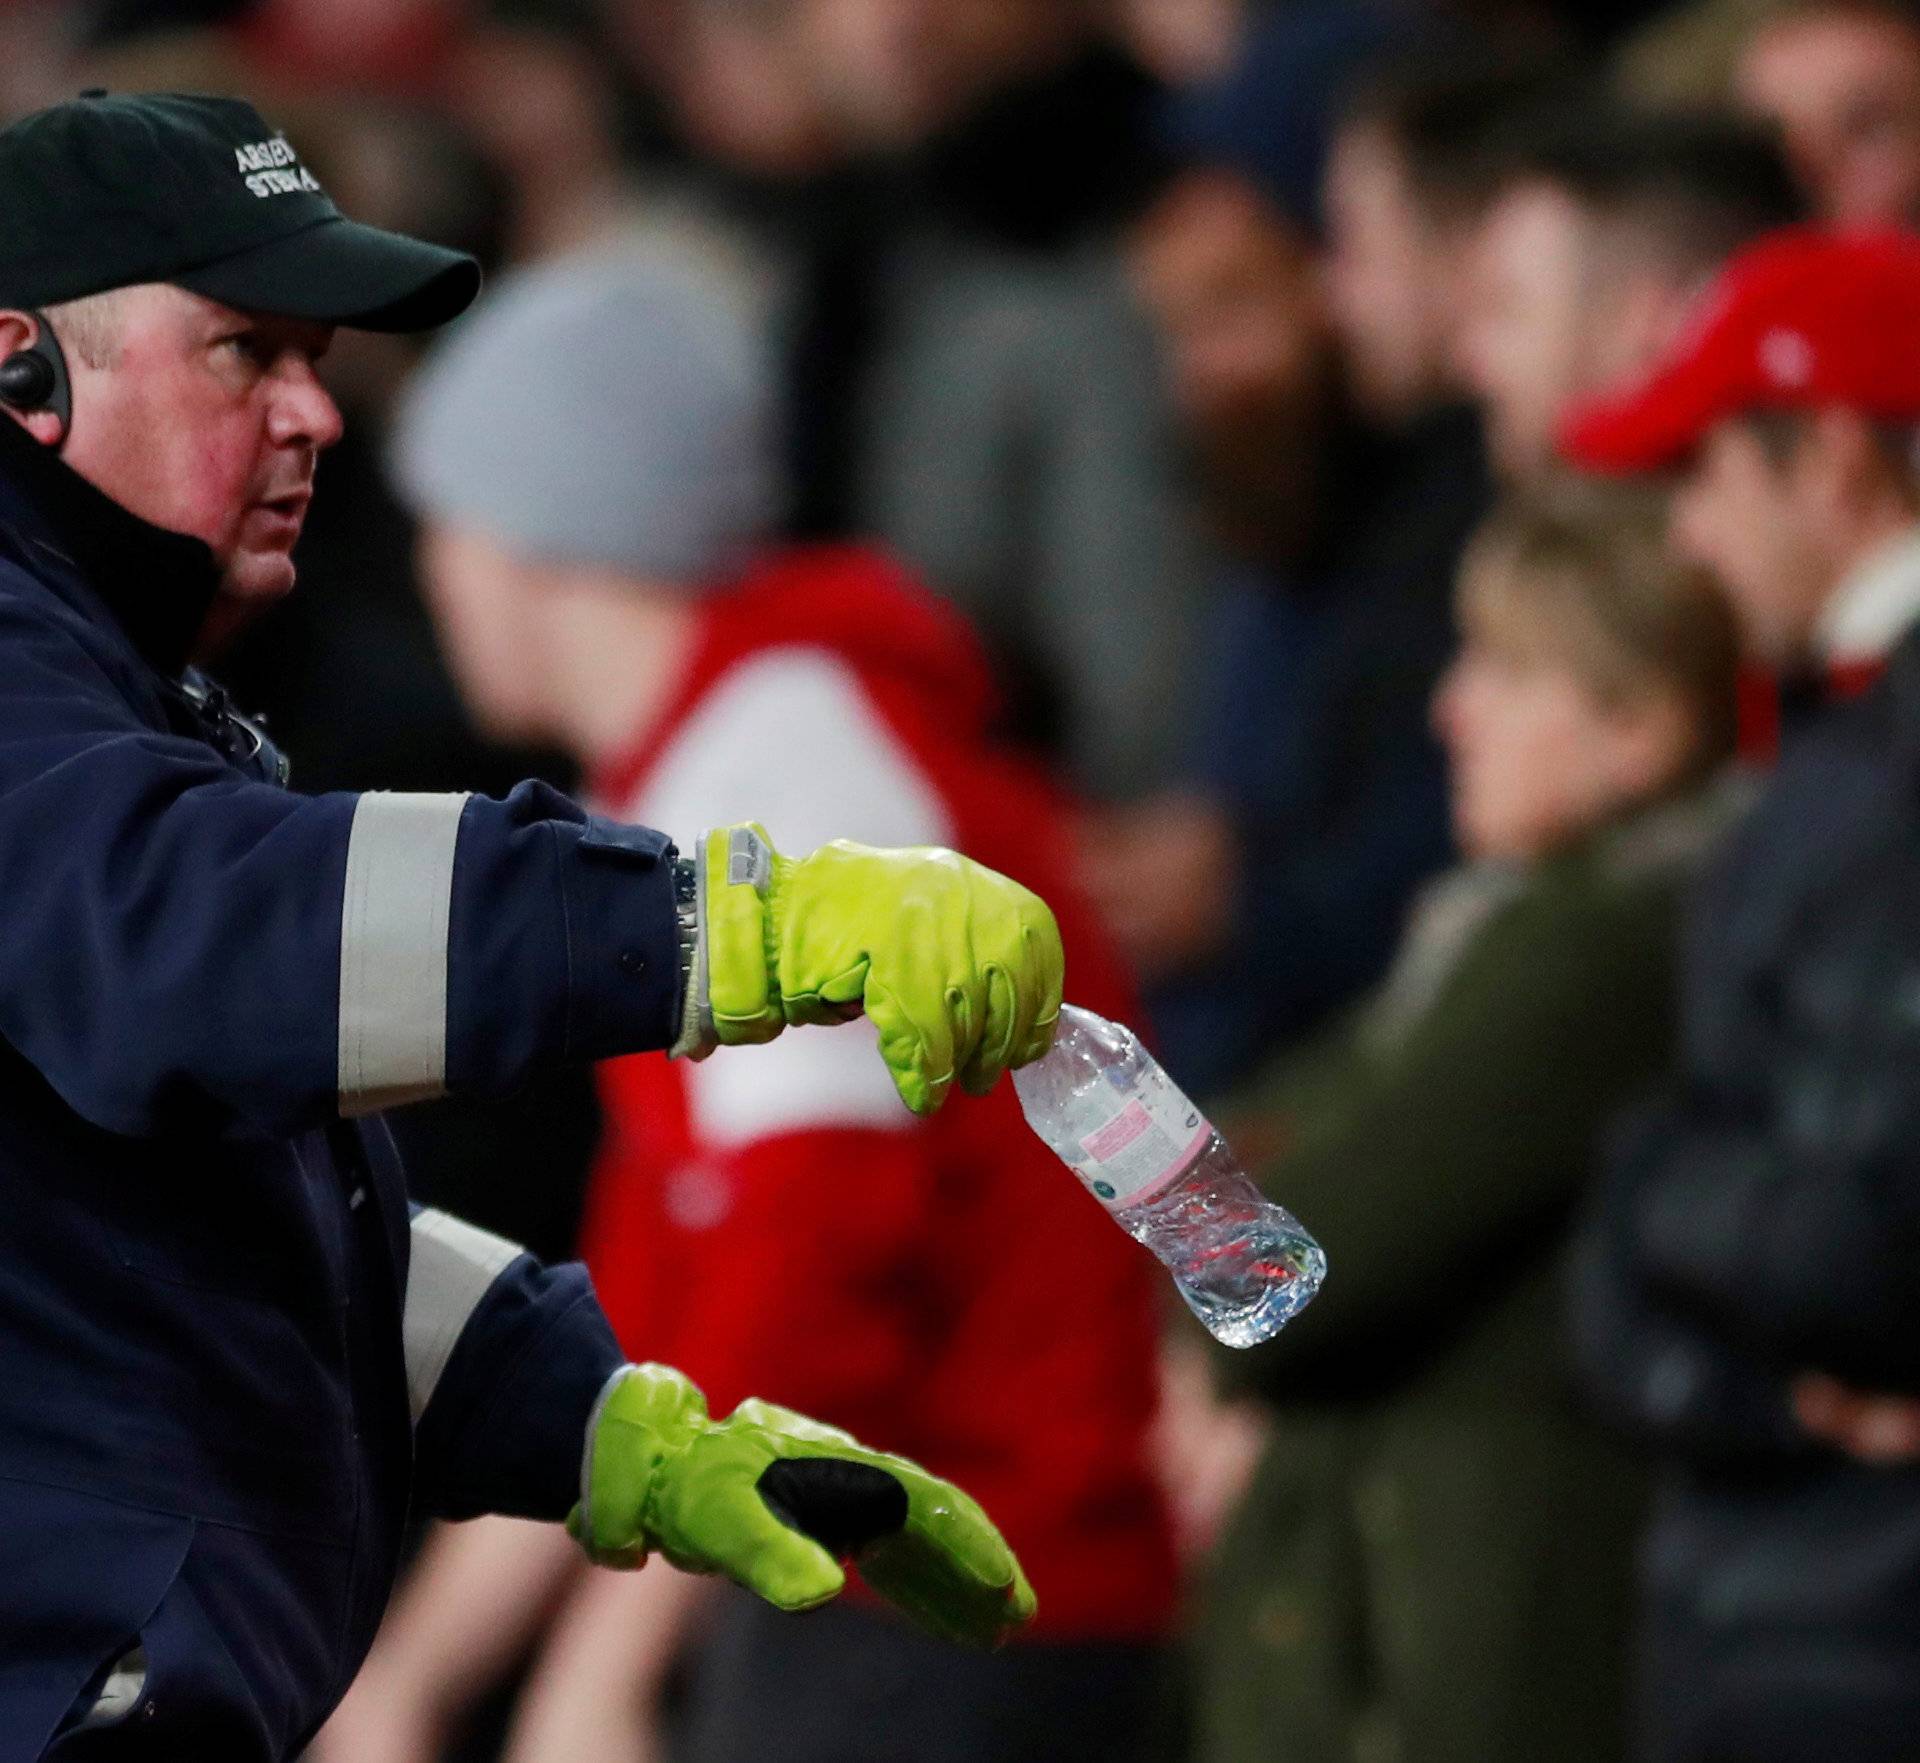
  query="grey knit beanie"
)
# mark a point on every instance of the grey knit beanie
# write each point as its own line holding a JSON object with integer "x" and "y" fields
{"x": 612, "y": 407}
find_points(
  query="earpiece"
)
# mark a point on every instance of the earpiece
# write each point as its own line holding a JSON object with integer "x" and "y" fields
{"x": 26, "y": 381}
{"x": 35, "y": 378}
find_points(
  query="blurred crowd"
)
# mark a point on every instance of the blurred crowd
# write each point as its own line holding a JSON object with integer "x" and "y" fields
{"x": 1403, "y": 522}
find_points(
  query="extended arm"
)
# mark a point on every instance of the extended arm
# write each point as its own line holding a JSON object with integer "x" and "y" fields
{"x": 190, "y": 949}
{"x": 533, "y": 1409}
{"x": 224, "y": 951}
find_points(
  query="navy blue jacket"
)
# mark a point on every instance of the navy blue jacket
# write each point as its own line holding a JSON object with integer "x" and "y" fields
{"x": 1312, "y": 731}
{"x": 1762, "y": 1220}
{"x": 207, "y": 983}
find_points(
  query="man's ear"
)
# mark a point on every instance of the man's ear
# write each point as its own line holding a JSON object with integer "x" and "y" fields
{"x": 1652, "y": 741}
{"x": 21, "y": 330}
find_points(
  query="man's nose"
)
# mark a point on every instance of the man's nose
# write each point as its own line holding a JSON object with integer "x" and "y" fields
{"x": 304, "y": 410}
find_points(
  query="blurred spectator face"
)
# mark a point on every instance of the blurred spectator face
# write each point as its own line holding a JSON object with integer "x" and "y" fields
{"x": 1524, "y": 338}
{"x": 539, "y": 105}
{"x": 378, "y": 44}
{"x": 1183, "y": 41}
{"x": 745, "y": 90}
{"x": 1391, "y": 277}
{"x": 1232, "y": 287}
{"x": 1843, "y": 84}
{"x": 894, "y": 70}
{"x": 1538, "y": 755}
{"x": 1555, "y": 306}
{"x": 1770, "y": 519}
{"x": 490, "y": 631}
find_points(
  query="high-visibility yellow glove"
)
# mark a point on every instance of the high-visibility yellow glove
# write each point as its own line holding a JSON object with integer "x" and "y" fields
{"x": 775, "y": 1502}
{"x": 959, "y": 968}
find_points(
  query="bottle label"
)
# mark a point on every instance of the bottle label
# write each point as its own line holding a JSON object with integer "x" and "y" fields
{"x": 1146, "y": 1147}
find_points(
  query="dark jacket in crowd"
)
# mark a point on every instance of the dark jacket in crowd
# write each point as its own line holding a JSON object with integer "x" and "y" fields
{"x": 1309, "y": 722}
{"x": 1763, "y": 1222}
{"x": 1433, "y": 1560}
{"x": 233, "y": 1357}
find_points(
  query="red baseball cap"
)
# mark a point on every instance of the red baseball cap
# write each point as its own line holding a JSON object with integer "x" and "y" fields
{"x": 1802, "y": 319}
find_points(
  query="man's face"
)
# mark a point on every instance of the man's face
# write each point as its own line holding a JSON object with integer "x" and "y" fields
{"x": 482, "y": 603}
{"x": 1558, "y": 304}
{"x": 1183, "y": 41}
{"x": 1524, "y": 343}
{"x": 1390, "y": 277}
{"x": 1844, "y": 88}
{"x": 895, "y": 69}
{"x": 1233, "y": 290}
{"x": 1753, "y": 519}
{"x": 208, "y": 421}
{"x": 1534, "y": 756}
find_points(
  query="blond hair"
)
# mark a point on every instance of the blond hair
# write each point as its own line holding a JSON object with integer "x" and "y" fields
{"x": 1579, "y": 574}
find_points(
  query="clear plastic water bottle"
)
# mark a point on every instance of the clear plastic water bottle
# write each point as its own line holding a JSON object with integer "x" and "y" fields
{"x": 1147, "y": 1154}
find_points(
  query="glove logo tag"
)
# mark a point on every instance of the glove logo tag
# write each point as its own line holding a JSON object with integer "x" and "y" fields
{"x": 749, "y": 860}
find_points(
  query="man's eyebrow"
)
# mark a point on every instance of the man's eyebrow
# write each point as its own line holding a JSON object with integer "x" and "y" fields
{"x": 315, "y": 339}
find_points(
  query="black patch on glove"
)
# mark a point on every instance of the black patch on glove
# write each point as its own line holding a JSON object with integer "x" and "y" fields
{"x": 842, "y": 1506}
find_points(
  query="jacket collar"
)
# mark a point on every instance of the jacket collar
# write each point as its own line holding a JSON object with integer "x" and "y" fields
{"x": 158, "y": 585}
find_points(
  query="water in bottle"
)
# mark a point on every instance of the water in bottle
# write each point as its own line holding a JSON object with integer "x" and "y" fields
{"x": 1147, "y": 1154}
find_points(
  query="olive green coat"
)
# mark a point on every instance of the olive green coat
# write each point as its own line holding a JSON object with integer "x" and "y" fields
{"x": 1433, "y": 1562}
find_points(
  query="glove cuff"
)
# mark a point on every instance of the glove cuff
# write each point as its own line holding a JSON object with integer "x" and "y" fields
{"x": 696, "y": 1037}
{"x": 644, "y": 1415}
{"x": 740, "y": 962}
{"x": 584, "y": 1513}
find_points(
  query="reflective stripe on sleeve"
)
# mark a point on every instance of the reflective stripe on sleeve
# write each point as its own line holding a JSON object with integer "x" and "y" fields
{"x": 452, "y": 1265}
{"x": 393, "y": 949}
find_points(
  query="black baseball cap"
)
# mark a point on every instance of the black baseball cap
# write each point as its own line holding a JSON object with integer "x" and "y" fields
{"x": 105, "y": 191}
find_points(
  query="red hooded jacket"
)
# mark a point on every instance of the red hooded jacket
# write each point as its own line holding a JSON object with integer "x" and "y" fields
{"x": 775, "y": 1223}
